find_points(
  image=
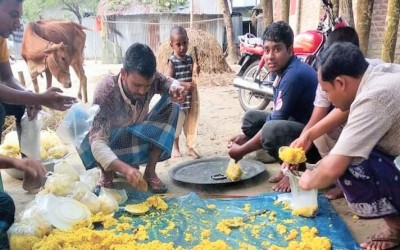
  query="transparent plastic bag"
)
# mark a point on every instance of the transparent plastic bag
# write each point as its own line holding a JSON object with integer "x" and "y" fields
{"x": 119, "y": 194}
{"x": 30, "y": 134}
{"x": 91, "y": 201}
{"x": 77, "y": 122}
{"x": 79, "y": 190}
{"x": 63, "y": 167}
{"x": 91, "y": 177}
{"x": 108, "y": 204}
{"x": 59, "y": 184}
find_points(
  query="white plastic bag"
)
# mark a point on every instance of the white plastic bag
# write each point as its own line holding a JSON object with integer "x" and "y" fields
{"x": 30, "y": 134}
{"x": 77, "y": 122}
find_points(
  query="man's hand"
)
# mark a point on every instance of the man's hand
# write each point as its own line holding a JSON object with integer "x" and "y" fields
{"x": 235, "y": 152}
{"x": 34, "y": 168}
{"x": 177, "y": 93}
{"x": 303, "y": 142}
{"x": 32, "y": 111}
{"x": 52, "y": 99}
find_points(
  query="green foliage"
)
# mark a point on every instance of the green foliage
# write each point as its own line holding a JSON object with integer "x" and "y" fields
{"x": 33, "y": 9}
{"x": 117, "y": 4}
{"x": 165, "y": 4}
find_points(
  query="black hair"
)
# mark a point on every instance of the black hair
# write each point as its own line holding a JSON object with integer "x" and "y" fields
{"x": 279, "y": 32}
{"x": 177, "y": 30}
{"x": 140, "y": 58}
{"x": 342, "y": 59}
{"x": 343, "y": 34}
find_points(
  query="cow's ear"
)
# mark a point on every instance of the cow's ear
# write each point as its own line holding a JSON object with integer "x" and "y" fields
{"x": 49, "y": 51}
{"x": 62, "y": 45}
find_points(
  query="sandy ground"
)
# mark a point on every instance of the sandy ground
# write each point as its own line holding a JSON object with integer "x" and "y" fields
{"x": 220, "y": 119}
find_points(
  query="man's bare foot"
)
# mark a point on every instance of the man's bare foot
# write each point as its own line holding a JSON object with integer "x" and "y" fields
{"x": 193, "y": 153}
{"x": 176, "y": 153}
{"x": 276, "y": 178}
{"x": 334, "y": 193}
{"x": 283, "y": 185}
{"x": 387, "y": 238}
{"x": 238, "y": 139}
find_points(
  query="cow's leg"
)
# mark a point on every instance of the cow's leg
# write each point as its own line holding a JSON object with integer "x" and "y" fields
{"x": 80, "y": 72}
{"x": 35, "y": 83}
{"x": 49, "y": 78}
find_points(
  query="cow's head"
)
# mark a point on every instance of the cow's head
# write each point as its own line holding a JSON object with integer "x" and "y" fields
{"x": 58, "y": 61}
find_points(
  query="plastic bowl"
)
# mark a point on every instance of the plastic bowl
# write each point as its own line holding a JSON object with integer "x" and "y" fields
{"x": 63, "y": 212}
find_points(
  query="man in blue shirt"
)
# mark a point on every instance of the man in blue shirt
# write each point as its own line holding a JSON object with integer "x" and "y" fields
{"x": 294, "y": 93}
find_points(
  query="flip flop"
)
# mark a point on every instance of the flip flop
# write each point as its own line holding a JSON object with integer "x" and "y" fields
{"x": 156, "y": 186}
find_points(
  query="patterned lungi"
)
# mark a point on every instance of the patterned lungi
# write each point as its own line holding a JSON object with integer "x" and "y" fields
{"x": 132, "y": 144}
{"x": 372, "y": 187}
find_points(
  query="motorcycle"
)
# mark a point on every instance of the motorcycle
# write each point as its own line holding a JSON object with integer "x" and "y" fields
{"x": 255, "y": 82}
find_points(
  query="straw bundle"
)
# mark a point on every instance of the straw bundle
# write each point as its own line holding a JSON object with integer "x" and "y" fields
{"x": 210, "y": 55}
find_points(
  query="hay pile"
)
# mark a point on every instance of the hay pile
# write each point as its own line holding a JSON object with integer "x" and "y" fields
{"x": 209, "y": 52}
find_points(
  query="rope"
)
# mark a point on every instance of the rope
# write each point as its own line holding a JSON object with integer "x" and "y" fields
{"x": 144, "y": 23}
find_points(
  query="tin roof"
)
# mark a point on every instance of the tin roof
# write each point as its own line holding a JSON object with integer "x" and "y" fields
{"x": 138, "y": 8}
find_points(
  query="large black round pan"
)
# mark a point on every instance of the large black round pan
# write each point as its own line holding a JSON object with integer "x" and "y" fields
{"x": 212, "y": 170}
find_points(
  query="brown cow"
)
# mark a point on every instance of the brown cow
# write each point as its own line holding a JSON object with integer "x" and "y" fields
{"x": 51, "y": 47}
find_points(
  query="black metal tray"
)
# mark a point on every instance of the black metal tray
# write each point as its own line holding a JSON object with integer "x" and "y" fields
{"x": 212, "y": 170}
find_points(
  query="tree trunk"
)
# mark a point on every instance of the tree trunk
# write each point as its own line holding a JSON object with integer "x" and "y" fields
{"x": 364, "y": 16}
{"x": 285, "y": 10}
{"x": 335, "y": 8}
{"x": 346, "y": 8}
{"x": 391, "y": 28}
{"x": 232, "y": 53}
{"x": 268, "y": 13}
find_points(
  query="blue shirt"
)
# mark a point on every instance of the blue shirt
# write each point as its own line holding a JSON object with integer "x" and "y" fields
{"x": 294, "y": 95}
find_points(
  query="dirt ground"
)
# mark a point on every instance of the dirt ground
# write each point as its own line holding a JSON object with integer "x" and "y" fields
{"x": 220, "y": 119}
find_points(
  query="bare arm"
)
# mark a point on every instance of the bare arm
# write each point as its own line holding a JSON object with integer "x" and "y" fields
{"x": 8, "y": 78}
{"x": 170, "y": 70}
{"x": 328, "y": 170}
{"x": 333, "y": 120}
{"x": 319, "y": 127}
{"x": 317, "y": 115}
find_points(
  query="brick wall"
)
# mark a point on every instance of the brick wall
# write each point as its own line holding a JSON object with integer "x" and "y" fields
{"x": 311, "y": 12}
{"x": 378, "y": 30}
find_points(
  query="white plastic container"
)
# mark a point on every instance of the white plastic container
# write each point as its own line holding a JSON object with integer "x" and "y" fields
{"x": 303, "y": 202}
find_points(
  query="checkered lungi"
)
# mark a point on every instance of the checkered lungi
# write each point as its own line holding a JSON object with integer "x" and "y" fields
{"x": 372, "y": 187}
{"x": 132, "y": 144}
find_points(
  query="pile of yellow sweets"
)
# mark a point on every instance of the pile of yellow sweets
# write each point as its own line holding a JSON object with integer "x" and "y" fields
{"x": 292, "y": 155}
{"x": 119, "y": 233}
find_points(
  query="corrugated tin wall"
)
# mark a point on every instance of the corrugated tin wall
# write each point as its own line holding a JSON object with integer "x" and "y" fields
{"x": 154, "y": 29}
{"x": 93, "y": 40}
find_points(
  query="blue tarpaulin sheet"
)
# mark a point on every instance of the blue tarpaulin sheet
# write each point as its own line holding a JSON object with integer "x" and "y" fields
{"x": 190, "y": 214}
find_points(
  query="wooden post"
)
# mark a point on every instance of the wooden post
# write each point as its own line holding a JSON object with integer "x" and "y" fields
{"x": 191, "y": 14}
{"x": 21, "y": 78}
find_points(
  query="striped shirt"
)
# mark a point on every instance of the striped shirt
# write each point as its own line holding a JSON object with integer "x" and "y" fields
{"x": 183, "y": 69}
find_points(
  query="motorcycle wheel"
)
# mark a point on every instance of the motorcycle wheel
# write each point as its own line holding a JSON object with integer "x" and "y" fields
{"x": 250, "y": 100}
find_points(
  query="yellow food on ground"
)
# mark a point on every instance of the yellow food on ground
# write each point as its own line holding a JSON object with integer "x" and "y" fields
{"x": 247, "y": 207}
{"x": 212, "y": 245}
{"x": 281, "y": 228}
{"x": 310, "y": 240}
{"x": 157, "y": 202}
{"x": 292, "y": 235}
{"x": 233, "y": 171}
{"x": 137, "y": 209}
{"x": 211, "y": 206}
{"x": 292, "y": 155}
{"x": 171, "y": 226}
{"x": 22, "y": 241}
{"x": 245, "y": 246}
{"x": 205, "y": 234}
{"x": 272, "y": 216}
{"x": 188, "y": 236}
{"x": 305, "y": 211}
{"x": 200, "y": 210}
{"x": 355, "y": 218}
